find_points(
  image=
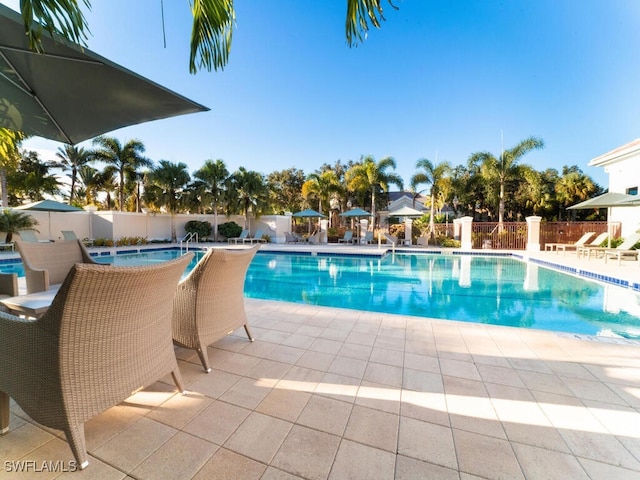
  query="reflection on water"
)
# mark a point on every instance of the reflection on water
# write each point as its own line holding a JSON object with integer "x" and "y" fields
{"x": 494, "y": 290}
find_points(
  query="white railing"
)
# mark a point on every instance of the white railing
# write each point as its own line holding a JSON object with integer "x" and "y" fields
{"x": 189, "y": 237}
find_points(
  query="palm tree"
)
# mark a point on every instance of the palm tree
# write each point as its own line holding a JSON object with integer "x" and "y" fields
{"x": 504, "y": 167}
{"x": 211, "y": 34}
{"x": 166, "y": 183}
{"x": 214, "y": 175}
{"x": 89, "y": 179}
{"x": 432, "y": 176}
{"x": 371, "y": 176}
{"x": 246, "y": 192}
{"x": 124, "y": 160}
{"x": 321, "y": 185}
{"x": 72, "y": 158}
{"x": 574, "y": 187}
{"x": 13, "y": 221}
{"x": 9, "y": 158}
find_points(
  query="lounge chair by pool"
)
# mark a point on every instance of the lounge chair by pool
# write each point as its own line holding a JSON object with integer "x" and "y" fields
{"x": 244, "y": 234}
{"x": 623, "y": 251}
{"x": 570, "y": 246}
{"x": 347, "y": 238}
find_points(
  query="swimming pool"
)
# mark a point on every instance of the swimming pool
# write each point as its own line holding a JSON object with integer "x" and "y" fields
{"x": 481, "y": 289}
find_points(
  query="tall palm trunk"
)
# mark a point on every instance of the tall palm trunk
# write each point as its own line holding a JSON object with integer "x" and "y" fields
{"x": 3, "y": 187}
{"x": 373, "y": 207}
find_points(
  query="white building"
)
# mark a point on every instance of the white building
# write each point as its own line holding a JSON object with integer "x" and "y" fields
{"x": 623, "y": 166}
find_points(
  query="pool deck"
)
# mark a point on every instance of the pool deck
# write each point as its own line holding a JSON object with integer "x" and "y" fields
{"x": 327, "y": 393}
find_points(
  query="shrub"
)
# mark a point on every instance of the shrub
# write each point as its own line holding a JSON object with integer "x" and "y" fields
{"x": 202, "y": 229}
{"x": 126, "y": 241}
{"x": 448, "y": 242}
{"x": 103, "y": 242}
{"x": 230, "y": 229}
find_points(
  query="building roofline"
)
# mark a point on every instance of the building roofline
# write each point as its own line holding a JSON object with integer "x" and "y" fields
{"x": 617, "y": 154}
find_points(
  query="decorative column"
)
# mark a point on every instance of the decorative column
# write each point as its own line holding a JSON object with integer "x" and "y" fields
{"x": 533, "y": 234}
{"x": 466, "y": 242}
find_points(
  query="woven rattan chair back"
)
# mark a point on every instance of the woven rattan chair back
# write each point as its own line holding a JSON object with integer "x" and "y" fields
{"x": 209, "y": 302}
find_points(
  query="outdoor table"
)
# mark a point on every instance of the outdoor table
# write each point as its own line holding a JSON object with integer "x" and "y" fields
{"x": 33, "y": 304}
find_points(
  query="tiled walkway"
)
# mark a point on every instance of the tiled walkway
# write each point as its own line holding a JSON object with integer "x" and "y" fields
{"x": 340, "y": 394}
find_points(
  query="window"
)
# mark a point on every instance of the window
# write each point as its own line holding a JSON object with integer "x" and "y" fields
{"x": 632, "y": 191}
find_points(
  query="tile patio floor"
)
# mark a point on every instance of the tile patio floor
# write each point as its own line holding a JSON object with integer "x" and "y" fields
{"x": 325, "y": 393}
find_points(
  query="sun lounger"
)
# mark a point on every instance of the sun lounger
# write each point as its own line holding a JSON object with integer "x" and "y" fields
{"x": 622, "y": 250}
{"x": 70, "y": 235}
{"x": 347, "y": 238}
{"x": 257, "y": 238}
{"x": 570, "y": 246}
{"x": 315, "y": 238}
{"x": 29, "y": 236}
{"x": 291, "y": 237}
{"x": 244, "y": 234}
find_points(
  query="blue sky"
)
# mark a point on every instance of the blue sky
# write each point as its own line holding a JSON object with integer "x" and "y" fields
{"x": 445, "y": 78}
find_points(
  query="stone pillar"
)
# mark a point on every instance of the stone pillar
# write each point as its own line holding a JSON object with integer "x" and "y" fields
{"x": 407, "y": 231}
{"x": 457, "y": 227}
{"x": 533, "y": 234}
{"x": 323, "y": 231}
{"x": 466, "y": 242}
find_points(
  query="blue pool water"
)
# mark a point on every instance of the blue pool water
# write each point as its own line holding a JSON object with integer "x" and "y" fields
{"x": 493, "y": 290}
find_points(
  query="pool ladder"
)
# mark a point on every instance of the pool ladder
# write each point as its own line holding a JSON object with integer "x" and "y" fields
{"x": 185, "y": 241}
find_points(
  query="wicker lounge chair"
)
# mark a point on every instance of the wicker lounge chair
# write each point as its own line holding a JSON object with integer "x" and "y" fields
{"x": 106, "y": 334}
{"x": 291, "y": 237}
{"x": 47, "y": 264}
{"x": 315, "y": 238}
{"x": 209, "y": 302}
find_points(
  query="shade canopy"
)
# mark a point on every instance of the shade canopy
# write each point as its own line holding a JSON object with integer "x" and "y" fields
{"x": 355, "y": 212}
{"x": 406, "y": 212}
{"x": 70, "y": 94}
{"x": 49, "y": 206}
{"x": 609, "y": 199}
{"x": 308, "y": 213}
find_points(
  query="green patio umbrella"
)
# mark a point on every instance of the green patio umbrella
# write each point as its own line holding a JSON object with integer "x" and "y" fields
{"x": 49, "y": 206}
{"x": 71, "y": 94}
{"x": 356, "y": 213}
{"x": 309, "y": 213}
{"x": 607, "y": 200}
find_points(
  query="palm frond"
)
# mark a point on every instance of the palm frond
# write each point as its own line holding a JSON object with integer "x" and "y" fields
{"x": 61, "y": 17}
{"x": 361, "y": 13}
{"x": 211, "y": 36}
